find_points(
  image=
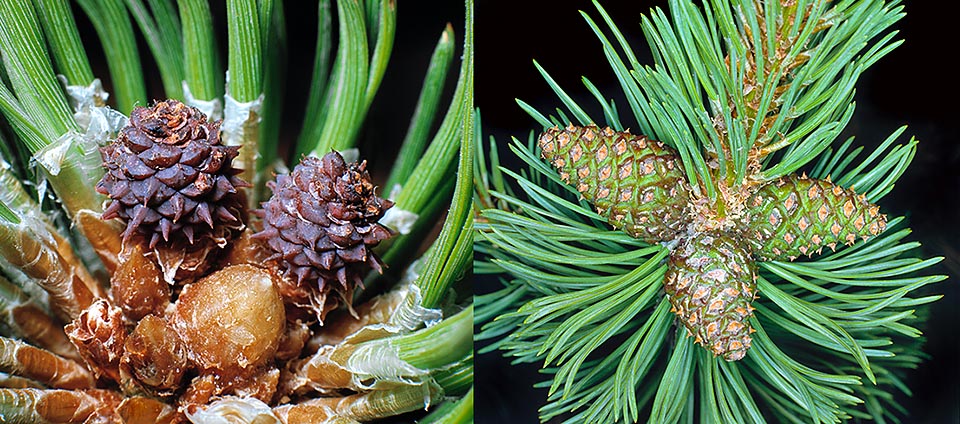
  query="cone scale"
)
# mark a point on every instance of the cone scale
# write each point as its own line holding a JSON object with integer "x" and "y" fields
{"x": 711, "y": 283}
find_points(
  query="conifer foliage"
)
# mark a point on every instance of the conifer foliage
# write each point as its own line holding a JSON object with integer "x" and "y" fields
{"x": 147, "y": 272}
{"x": 677, "y": 271}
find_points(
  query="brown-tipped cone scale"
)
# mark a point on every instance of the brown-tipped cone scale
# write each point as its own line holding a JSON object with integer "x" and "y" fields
{"x": 323, "y": 222}
{"x": 636, "y": 183}
{"x": 169, "y": 177}
{"x": 798, "y": 215}
{"x": 711, "y": 284}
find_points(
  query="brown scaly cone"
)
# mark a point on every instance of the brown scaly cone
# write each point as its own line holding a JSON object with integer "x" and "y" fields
{"x": 99, "y": 334}
{"x": 323, "y": 222}
{"x": 168, "y": 173}
{"x": 711, "y": 284}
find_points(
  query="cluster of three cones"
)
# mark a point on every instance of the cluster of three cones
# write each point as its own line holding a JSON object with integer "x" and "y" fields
{"x": 640, "y": 187}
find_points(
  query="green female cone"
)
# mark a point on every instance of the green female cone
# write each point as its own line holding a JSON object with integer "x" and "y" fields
{"x": 711, "y": 282}
{"x": 796, "y": 215}
{"x": 635, "y": 182}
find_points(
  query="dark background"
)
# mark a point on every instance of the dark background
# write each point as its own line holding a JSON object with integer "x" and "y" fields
{"x": 912, "y": 85}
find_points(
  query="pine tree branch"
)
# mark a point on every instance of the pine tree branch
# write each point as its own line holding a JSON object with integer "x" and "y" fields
{"x": 723, "y": 91}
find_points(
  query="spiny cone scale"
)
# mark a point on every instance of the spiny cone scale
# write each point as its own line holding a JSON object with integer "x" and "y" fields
{"x": 639, "y": 186}
{"x": 797, "y": 215}
{"x": 168, "y": 177}
{"x": 711, "y": 283}
{"x": 635, "y": 182}
{"x": 323, "y": 222}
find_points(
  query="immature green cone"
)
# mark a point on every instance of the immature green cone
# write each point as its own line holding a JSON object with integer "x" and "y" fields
{"x": 636, "y": 183}
{"x": 711, "y": 283}
{"x": 797, "y": 215}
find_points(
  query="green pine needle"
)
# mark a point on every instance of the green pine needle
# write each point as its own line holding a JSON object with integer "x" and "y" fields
{"x": 342, "y": 111}
{"x": 425, "y": 191}
{"x": 313, "y": 122}
{"x": 453, "y": 248}
{"x": 440, "y": 345}
{"x": 273, "y": 30}
{"x": 456, "y": 379}
{"x": 385, "y": 25}
{"x": 65, "y": 46}
{"x": 835, "y": 333}
{"x": 245, "y": 50}
{"x": 112, "y": 23}
{"x": 425, "y": 113}
{"x": 202, "y": 70}
{"x": 161, "y": 28}
{"x": 32, "y": 78}
{"x": 458, "y": 412}
{"x": 8, "y": 214}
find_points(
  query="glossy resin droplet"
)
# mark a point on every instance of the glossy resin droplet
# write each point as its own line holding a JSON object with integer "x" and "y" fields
{"x": 231, "y": 320}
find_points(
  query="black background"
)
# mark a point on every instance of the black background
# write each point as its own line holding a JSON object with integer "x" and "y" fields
{"x": 913, "y": 85}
